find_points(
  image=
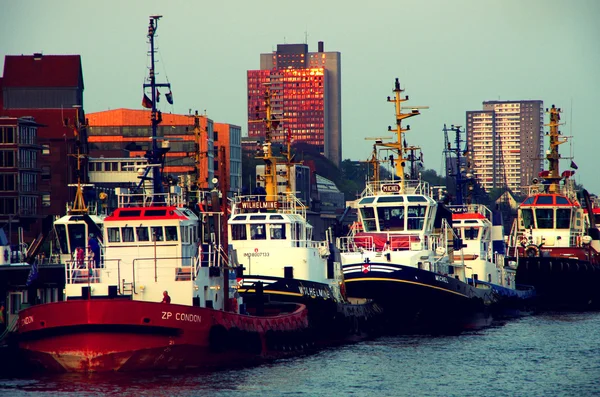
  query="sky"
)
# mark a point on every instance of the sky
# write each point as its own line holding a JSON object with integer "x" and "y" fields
{"x": 450, "y": 55}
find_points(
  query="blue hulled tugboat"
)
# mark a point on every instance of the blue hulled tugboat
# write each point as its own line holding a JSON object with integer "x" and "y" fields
{"x": 401, "y": 252}
{"x": 554, "y": 241}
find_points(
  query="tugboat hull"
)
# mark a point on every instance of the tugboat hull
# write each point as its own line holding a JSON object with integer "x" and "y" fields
{"x": 415, "y": 300}
{"x": 562, "y": 283}
{"x": 118, "y": 335}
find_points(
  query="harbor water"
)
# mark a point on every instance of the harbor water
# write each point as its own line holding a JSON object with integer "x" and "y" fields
{"x": 551, "y": 354}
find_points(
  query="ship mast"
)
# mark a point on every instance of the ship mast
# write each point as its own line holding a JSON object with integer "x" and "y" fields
{"x": 552, "y": 155}
{"x": 79, "y": 206}
{"x": 398, "y": 146}
{"x": 271, "y": 125}
{"x": 156, "y": 155}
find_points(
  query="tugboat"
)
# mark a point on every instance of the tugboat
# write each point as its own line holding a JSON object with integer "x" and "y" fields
{"x": 481, "y": 235}
{"x": 153, "y": 301}
{"x": 273, "y": 240}
{"x": 555, "y": 244}
{"x": 402, "y": 255}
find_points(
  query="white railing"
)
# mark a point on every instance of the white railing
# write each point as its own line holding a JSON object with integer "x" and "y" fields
{"x": 394, "y": 187}
{"x": 149, "y": 199}
{"x": 285, "y": 204}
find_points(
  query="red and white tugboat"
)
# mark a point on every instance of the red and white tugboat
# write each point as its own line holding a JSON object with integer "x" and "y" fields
{"x": 152, "y": 301}
{"x": 555, "y": 244}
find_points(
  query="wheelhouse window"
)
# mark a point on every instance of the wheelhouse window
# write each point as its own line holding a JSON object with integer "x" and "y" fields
{"x": 258, "y": 232}
{"x": 142, "y": 233}
{"x": 471, "y": 233}
{"x": 544, "y": 218}
{"x": 391, "y": 218}
{"x": 368, "y": 216}
{"x": 416, "y": 217}
{"x": 563, "y": 218}
{"x": 77, "y": 236}
{"x": 127, "y": 234}
{"x": 113, "y": 234}
{"x": 238, "y": 232}
{"x": 527, "y": 218}
{"x": 61, "y": 233}
{"x": 277, "y": 232}
{"x": 171, "y": 233}
{"x": 157, "y": 233}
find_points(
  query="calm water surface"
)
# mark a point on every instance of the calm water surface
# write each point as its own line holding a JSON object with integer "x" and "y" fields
{"x": 543, "y": 355}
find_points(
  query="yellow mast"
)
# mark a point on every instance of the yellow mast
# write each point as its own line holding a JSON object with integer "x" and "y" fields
{"x": 267, "y": 156}
{"x": 397, "y": 145}
{"x": 553, "y": 156}
{"x": 79, "y": 206}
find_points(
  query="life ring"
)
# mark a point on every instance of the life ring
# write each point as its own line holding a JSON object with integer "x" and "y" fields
{"x": 532, "y": 251}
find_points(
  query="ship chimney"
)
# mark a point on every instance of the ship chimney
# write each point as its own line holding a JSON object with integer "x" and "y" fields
{"x": 320, "y": 46}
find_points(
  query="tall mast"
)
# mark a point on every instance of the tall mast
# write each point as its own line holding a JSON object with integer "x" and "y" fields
{"x": 398, "y": 144}
{"x": 552, "y": 155}
{"x": 79, "y": 206}
{"x": 156, "y": 155}
{"x": 271, "y": 125}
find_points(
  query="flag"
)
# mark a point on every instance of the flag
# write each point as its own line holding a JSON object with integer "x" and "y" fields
{"x": 169, "y": 96}
{"x": 146, "y": 102}
{"x": 33, "y": 274}
{"x": 157, "y": 96}
{"x": 573, "y": 165}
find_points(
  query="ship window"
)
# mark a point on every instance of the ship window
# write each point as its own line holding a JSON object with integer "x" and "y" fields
{"x": 127, "y": 233}
{"x": 471, "y": 233}
{"x": 125, "y": 213}
{"x": 61, "y": 233}
{"x": 416, "y": 217}
{"x": 391, "y": 218}
{"x": 238, "y": 232}
{"x": 527, "y": 218}
{"x": 367, "y": 200}
{"x": 171, "y": 233}
{"x": 77, "y": 236}
{"x": 276, "y": 217}
{"x": 368, "y": 219}
{"x": 184, "y": 235}
{"x": 157, "y": 233}
{"x": 258, "y": 217}
{"x": 528, "y": 200}
{"x": 544, "y": 200}
{"x": 563, "y": 218}
{"x": 239, "y": 218}
{"x": 114, "y": 235}
{"x": 390, "y": 199}
{"x": 544, "y": 218}
{"x": 416, "y": 199}
{"x": 257, "y": 232}
{"x": 277, "y": 232}
{"x": 561, "y": 200}
{"x": 142, "y": 233}
{"x": 155, "y": 212}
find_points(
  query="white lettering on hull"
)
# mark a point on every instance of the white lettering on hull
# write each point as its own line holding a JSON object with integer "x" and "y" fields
{"x": 191, "y": 318}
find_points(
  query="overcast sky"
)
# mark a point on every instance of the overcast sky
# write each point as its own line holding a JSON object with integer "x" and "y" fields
{"x": 450, "y": 55}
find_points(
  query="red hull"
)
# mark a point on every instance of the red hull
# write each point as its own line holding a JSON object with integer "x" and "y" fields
{"x": 122, "y": 335}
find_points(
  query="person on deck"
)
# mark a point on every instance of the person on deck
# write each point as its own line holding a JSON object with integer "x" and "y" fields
{"x": 166, "y": 297}
{"x": 94, "y": 246}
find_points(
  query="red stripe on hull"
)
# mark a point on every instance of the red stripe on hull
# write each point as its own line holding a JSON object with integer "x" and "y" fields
{"x": 118, "y": 335}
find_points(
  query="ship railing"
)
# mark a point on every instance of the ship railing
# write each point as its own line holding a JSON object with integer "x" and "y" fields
{"x": 381, "y": 241}
{"x": 82, "y": 272}
{"x": 471, "y": 209}
{"x": 394, "y": 187}
{"x": 126, "y": 199}
{"x": 283, "y": 203}
{"x": 567, "y": 189}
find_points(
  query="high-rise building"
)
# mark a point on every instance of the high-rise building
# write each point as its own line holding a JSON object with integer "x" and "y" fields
{"x": 306, "y": 94}
{"x": 505, "y": 142}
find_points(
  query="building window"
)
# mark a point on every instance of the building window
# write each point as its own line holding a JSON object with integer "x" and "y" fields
{"x": 7, "y": 158}
{"x": 7, "y": 135}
